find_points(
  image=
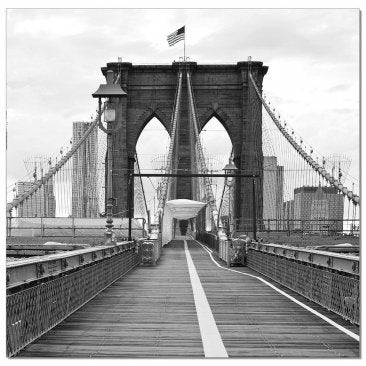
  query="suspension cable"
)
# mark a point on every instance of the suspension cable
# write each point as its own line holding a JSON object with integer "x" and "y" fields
{"x": 168, "y": 168}
{"x": 53, "y": 170}
{"x": 317, "y": 167}
{"x": 202, "y": 163}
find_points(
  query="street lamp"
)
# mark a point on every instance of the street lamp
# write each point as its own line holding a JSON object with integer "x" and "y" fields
{"x": 114, "y": 93}
{"x": 229, "y": 170}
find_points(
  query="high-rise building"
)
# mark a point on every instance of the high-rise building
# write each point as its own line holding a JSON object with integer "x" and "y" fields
{"x": 41, "y": 204}
{"x": 288, "y": 215}
{"x": 318, "y": 209}
{"x": 84, "y": 173}
{"x": 272, "y": 193}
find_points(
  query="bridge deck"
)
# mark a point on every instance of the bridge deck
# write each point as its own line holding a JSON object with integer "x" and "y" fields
{"x": 152, "y": 313}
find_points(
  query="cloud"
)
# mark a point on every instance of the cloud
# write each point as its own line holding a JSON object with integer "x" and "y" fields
{"x": 54, "y": 58}
{"x": 49, "y": 27}
{"x": 268, "y": 34}
{"x": 338, "y": 88}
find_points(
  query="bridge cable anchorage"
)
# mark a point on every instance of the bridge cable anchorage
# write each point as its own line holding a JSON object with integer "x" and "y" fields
{"x": 53, "y": 170}
{"x": 315, "y": 165}
{"x": 201, "y": 158}
{"x": 165, "y": 186}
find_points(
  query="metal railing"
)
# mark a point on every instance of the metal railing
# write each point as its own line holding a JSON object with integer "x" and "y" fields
{"x": 327, "y": 227}
{"x": 334, "y": 291}
{"x": 209, "y": 239}
{"x": 33, "y": 311}
{"x": 329, "y": 279}
{"x": 68, "y": 227}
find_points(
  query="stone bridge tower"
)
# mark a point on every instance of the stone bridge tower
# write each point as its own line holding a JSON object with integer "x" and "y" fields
{"x": 221, "y": 91}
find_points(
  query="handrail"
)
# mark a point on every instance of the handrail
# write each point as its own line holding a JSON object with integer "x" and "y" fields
{"x": 28, "y": 270}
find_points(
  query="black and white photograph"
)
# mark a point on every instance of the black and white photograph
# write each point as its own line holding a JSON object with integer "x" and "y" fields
{"x": 182, "y": 183}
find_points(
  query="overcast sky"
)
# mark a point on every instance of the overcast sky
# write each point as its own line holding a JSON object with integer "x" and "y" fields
{"x": 54, "y": 59}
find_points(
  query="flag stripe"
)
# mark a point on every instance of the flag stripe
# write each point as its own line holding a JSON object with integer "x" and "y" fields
{"x": 176, "y": 36}
{"x": 172, "y": 35}
{"x": 175, "y": 40}
{"x": 173, "y": 43}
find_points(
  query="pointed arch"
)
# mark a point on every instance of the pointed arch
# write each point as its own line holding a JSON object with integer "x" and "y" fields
{"x": 151, "y": 149}
{"x": 221, "y": 116}
{"x": 145, "y": 117}
{"x": 152, "y": 141}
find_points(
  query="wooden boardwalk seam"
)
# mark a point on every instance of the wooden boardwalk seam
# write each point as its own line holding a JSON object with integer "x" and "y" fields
{"x": 151, "y": 313}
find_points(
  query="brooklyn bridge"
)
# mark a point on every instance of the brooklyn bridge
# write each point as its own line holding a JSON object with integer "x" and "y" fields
{"x": 93, "y": 272}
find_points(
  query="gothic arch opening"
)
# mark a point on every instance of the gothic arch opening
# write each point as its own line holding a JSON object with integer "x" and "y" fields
{"x": 152, "y": 149}
{"x": 220, "y": 116}
{"x": 217, "y": 146}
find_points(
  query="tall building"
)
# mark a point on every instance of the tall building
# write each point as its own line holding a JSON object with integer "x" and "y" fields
{"x": 84, "y": 173}
{"x": 318, "y": 209}
{"x": 272, "y": 193}
{"x": 41, "y": 204}
{"x": 288, "y": 215}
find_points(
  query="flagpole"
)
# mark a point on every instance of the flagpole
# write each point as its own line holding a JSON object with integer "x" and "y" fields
{"x": 184, "y": 53}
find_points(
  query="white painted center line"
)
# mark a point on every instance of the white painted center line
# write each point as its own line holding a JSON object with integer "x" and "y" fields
{"x": 336, "y": 325}
{"x": 211, "y": 338}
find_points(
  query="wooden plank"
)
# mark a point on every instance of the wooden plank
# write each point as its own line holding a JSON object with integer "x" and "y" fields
{"x": 256, "y": 321}
{"x": 151, "y": 313}
{"x": 148, "y": 313}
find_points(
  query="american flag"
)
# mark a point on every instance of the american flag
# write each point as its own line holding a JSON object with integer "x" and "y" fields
{"x": 176, "y": 36}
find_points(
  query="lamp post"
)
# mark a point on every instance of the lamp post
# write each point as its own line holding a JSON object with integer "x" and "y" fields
{"x": 114, "y": 93}
{"x": 229, "y": 170}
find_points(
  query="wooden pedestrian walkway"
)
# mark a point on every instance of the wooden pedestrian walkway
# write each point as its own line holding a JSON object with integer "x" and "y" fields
{"x": 160, "y": 311}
